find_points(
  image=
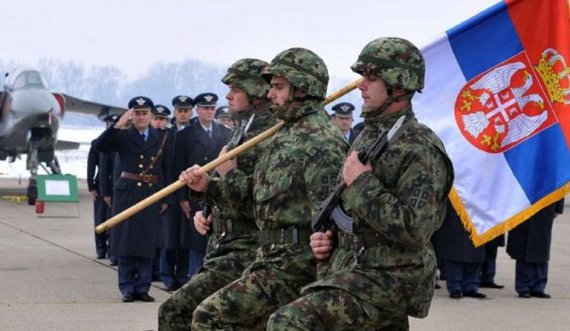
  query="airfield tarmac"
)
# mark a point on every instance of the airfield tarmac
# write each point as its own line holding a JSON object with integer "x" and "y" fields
{"x": 50, "y": 280}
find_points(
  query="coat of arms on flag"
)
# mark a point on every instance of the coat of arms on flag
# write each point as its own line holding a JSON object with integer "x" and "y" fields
{"x": 498, "y": 94}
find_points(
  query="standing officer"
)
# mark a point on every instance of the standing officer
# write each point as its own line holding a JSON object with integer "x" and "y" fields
{"x": 160, "y": 116}
{"x": 174, "y": 260}
{"x": 159, "y": 121}
{"x": 343, "y": 120}
{"x": 529, "y": 244}
{"x": 182, "y": 111}
{"x": 294, "y": 174}
{"x": 224, "y": 117}
{"x": 100, "y": 213}
{"x": 461, "y": 258}
{"x": 385, "y": 269}
{"x": 199, "y": 144}
{"x": 143, "y": 157}
{"x": 234, "y": 237}
{"x": 106, "y": 161}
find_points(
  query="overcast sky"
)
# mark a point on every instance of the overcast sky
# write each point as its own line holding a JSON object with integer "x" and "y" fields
{"x": 133, "y": 34}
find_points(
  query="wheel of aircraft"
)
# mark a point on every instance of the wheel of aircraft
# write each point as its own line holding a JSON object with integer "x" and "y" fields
{"x": 32, "y": 165}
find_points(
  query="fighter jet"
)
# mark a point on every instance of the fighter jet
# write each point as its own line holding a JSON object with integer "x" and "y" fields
{"x": 29, "y": 121}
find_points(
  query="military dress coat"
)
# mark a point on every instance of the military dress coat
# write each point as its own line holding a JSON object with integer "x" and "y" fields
{"x": 172, "y": 218}
{"x": 94, "y": 183}
{"x": 138, "y": 235}
{"x": 192, "y": 145}
{"x": 402, "y": 202}
{"x": 453, "y": 240}
{"x": 530, "y": 241}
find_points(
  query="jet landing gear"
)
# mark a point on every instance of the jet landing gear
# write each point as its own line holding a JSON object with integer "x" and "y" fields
{"x": 32, "y": 165}
{"x": 35, "y": 159}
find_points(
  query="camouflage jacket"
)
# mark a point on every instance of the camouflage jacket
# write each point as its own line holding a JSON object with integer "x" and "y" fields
{"x": 402, "y": 200}
{"x": 233, "y": 192}
{"x": 298, "y": 167}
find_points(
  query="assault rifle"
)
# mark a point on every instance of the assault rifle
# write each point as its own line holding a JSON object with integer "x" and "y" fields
{"x": 330, "y": 211}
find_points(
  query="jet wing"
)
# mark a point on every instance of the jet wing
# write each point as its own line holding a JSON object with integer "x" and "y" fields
{"x": 77, "y": 105}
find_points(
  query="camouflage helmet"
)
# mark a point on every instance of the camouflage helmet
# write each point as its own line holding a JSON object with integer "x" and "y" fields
{"x": 398, "y": 62}
{"x": 245, "y": 75}
{"x": 302, "y": 68}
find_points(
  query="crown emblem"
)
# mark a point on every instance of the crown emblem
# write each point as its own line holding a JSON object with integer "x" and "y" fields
{"x": 141, "y": 101}
{"x": 345, "y": 108}
{"x": 555, "y": 75}
{"x": 208, "y": 98}
{"x": 182, "y": 98}
{"x": 160, "y": 109}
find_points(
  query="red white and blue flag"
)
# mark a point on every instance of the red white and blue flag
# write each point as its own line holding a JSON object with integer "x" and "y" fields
{"x": 498, "y": 94}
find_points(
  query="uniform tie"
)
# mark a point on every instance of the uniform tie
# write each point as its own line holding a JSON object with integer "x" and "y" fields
{"x": 209, "y": 130}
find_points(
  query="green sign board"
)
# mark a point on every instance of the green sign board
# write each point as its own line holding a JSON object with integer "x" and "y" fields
{"x": 57, "y": 188}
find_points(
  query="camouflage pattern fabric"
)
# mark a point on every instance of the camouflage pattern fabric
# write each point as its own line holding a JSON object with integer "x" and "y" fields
{"x": 235, "y": 190}
{"x": 244, "y": 74}
{"x": 403, "y": 200}
{"x": 227, "y": 257}
{"x": 292, "y": 176}
{"x": 216, "y": 272}
{"x": 397, "y": 61}
{"x": 336, "y": 310}
{"x": 302, "y": 68}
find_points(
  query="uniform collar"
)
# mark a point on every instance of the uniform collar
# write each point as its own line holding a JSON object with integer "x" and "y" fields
{"x": 295, "y": 110}
{"x": 381, "y": 122}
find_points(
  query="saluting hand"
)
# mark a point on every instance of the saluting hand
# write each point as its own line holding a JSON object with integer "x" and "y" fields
{"x": 227, "y": 166}
{"x": 322, "y": 244}
{"x": 353, "y": 168}
{"x": 202, "y": 224}
{"x": 195, "y": 178}
{"x": 124, "y": 119}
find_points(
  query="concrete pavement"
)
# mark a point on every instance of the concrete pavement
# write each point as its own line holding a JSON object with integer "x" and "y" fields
{"x": 50, "y": 280}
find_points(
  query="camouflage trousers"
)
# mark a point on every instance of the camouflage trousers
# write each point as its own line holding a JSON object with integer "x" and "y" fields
{"x": 266, "y": 285}
{"x": 176, "y": 312}
{"x": 332, "y": 309}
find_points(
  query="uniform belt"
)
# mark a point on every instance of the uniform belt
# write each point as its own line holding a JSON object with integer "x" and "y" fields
{"x": 291, "y": 235}
{"x": 152, "y": 179}
{"x": 222, "y": 227}
{"x": 357, "y": 241}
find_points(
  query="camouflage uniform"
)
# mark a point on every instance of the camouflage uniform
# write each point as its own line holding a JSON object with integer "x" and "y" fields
{"x": 232, "y": 246}
{"x": 385, "y": 270}
{"x": 292, "y": 176}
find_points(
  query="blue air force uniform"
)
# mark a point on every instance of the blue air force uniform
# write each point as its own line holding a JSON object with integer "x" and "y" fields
{"x": 461, "y": 258}
{"x": 101, "y": 211}
{"x": 196, "y": 145}
{"x": 142, "y": 159}
{"x": 529, "y": 244}
{"x": 344, "y": 110}
{"x": 174, "y": 260}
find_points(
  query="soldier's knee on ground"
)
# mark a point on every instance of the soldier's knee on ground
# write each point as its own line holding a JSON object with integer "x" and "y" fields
{"x": 290, "y": 317}
{"x": 202, "y": 315}
{"x": 165, "y": 312}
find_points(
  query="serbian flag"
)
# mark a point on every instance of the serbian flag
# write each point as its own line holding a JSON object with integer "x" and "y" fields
{"x": 497, "y": 93}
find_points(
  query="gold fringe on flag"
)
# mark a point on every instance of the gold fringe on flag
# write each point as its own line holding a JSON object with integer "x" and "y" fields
{"x": 505, "y": 226}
